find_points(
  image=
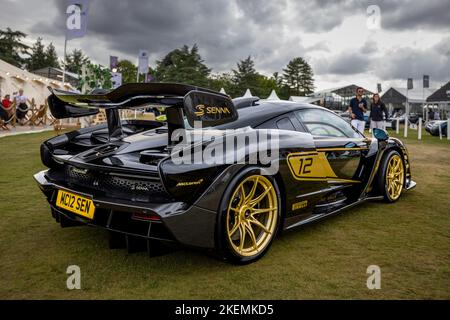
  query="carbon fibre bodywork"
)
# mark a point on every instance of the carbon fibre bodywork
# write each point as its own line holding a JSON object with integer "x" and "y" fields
{"x": 139, "y": 191}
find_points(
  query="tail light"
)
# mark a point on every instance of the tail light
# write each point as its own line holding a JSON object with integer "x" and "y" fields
{"x": 146, "y": 216}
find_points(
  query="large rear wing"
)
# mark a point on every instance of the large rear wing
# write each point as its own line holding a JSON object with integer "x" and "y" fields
{"x": 196, "y": 104}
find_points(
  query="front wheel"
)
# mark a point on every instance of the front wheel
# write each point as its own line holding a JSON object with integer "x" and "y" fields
{"x": 250, "y": 213}
{"x": 392, "y": 176}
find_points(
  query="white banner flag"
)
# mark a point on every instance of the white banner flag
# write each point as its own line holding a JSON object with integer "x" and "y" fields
{"x": 143, "y": 61}
{"x": 116, "y": 79}
{"x": 76, "y": 18}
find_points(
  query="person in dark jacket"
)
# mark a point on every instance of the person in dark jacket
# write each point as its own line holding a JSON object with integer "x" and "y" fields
{"x": 377, "y": 109}
{"x": 356, "y": 109}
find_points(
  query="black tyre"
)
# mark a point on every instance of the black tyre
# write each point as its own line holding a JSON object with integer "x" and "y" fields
{"x": 391, "y": 177}
{"x": 249, "y": 216}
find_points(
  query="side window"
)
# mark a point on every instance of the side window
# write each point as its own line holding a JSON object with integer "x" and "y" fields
{"x": 325, "y": 123}
{"x": 324, "y": 130}
{"x": 285, "y": 124}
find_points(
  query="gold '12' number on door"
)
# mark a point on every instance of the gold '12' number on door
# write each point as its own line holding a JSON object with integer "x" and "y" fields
{"x": 305, "y": 166}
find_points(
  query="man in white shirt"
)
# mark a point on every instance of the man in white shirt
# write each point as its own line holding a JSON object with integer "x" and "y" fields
{"x": 21, "y": 106}
{"x": 437, "y": 116}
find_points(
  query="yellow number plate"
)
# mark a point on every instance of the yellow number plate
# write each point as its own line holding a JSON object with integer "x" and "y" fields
{"x": 75, "y": 203}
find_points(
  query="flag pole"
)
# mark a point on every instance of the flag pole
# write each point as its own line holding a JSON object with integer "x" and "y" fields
{"x": 406, "y": 114}
{"x": 64, "y": 63}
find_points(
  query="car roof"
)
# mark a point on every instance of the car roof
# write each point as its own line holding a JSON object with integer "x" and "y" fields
{"x": 264, "y": 110}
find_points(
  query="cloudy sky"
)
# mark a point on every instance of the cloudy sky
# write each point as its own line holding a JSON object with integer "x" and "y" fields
{"x": 344, "y": 41}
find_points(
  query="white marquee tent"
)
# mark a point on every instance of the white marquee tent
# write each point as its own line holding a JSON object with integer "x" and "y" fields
{"x": 273, "y": 96}
{"x": 247, "y": 94}
{"x": 34, "y": 86}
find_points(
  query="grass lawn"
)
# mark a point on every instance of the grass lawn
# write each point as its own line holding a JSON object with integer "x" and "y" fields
{"x": 409, "y": 240}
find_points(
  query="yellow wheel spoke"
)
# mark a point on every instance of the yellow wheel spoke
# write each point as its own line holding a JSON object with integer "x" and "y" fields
{"x": 252, "y": 235}
{"x": 241, "y": 237}
{"x": 235, "y": 227}
{"x": 258, "y": 211}
{"x": 399, "y": 164}
{"x": 255, "y": 201}
{"x": 252, "y": 191}
{"x": 242, "y": 198}
{"x": 259, "y": 224}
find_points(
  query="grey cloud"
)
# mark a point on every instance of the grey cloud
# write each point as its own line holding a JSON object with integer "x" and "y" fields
{"x": 318, "y": 46}
{"x": 263, "y": 12}
{"x": 413, "y": 15}
{"x": 343, "y": 64}
{"x": 161, "y": 26}
{"x": 370, "y": 47}
{"x": 322, "y": 16}
{"x": 225, "y": 31}
{"x": 229, "y": 30}
{"x": 412, "y": 62}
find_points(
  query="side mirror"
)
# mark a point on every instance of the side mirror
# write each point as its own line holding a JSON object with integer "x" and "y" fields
{"x": 380, "y": 134}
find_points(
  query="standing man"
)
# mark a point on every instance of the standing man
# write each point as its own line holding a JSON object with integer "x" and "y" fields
{"x": 437, "y": 115}
{"x": 377, "y": 109}
{"x": 430, "y": 115}
{"x": 357, "y": 107}
{"x": 21, "y": 107}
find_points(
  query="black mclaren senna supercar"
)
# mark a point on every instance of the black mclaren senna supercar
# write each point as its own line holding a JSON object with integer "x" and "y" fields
{"x": 125, "y": 176}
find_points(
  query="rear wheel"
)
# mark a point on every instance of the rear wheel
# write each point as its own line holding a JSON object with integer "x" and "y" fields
{"x": 392, "y": 176}
{"x": 249, "y": 217}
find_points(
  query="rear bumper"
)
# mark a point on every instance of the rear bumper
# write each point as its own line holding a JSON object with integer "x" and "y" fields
{"x": 178, "y": 222}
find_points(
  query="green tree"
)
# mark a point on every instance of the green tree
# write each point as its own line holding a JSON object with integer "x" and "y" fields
{"x": 128, "y": 71}
{"x": 12, "y": 49}
{"x": 266, "y": 85}
{"x": 51, "y": 57}
{"x": 219, "y": 81}
{"x": 75, "y": 60}
{"x": 37, "y": 59}
{"x": 282, "y": 89}
{"x": 95, "y": 77}
{"x": 307, "y": 79}
{"x": 298, "y": 77}
{"x": 183, "y": 65}
{"x": 246, "y": 77}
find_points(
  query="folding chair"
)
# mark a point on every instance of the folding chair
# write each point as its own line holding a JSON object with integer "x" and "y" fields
{"x": 99, "y": 118}
{"x": 31, "y": 119}
{"x": 41, "y": 115}
{"x": 38, "y": 116}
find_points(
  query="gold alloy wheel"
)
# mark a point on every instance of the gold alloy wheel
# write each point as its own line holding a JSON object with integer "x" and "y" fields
{"x": 394, "y": 177}
{"x": 252, "y": 216}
